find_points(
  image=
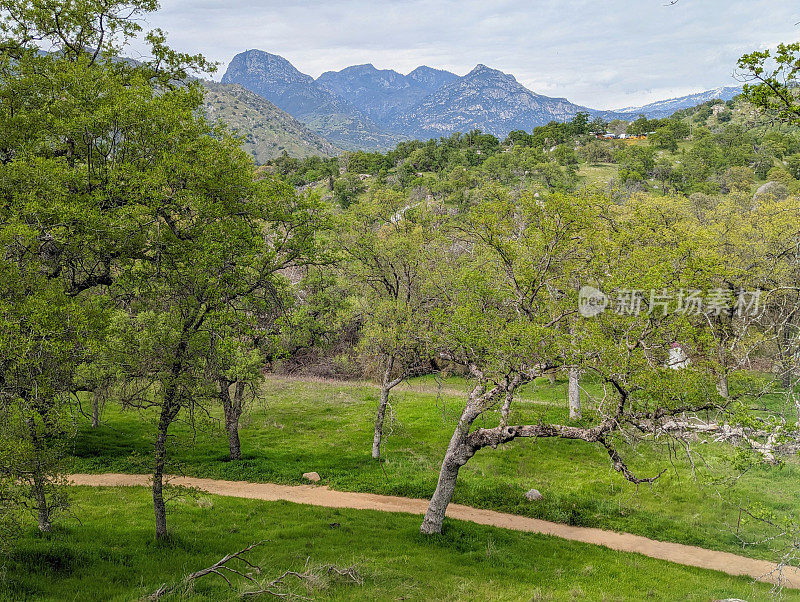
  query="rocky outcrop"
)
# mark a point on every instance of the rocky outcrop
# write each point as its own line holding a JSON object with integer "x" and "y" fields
{"x": 773, "y": 189}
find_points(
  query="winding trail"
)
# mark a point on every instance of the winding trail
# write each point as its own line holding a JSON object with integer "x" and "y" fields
{"x": 315, "y": 495}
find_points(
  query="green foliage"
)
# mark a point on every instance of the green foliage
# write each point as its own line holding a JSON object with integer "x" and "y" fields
{"x": 640, "y": 126}
{"x": 793, "y": 165}
{"x": 635, "y": 163}
{"x": 64, "y": 189}
{"x": 781, "y": 175}
{"x": 597, "y": 151}
{"x": 305, "y": 171}
{"x": 114, "y": 188}
{"x": 361, "y": 162}
{"x": 598, "y": 126}
{"x": 738, "y": 179}
{"x": 668, "y": 135}
{"x": 388, "y": 243}
{"x": 565, "y": 156}
{"x": 771, "y": 80}
{"x": 347, "y": 188}
{"x": 580, "y": 123}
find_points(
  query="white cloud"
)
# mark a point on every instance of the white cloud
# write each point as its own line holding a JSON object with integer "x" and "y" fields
{"x": 599, "y": 53}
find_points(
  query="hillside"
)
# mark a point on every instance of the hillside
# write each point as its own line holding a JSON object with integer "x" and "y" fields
{"x": 268, "y": 131}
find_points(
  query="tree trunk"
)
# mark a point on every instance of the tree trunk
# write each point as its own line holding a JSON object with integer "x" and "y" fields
{"x": 551, "y": 376}
{"x": 786, "y": 377}
{"x": 38, "y": 490}
{"x": 724, "y": 325}
{"x": 95, "y": 409}
{"x": 785, "y": 354}
{"x": 233, "y": 412}
{"x": 460, "y": 450}
{"x": 376, "y": 439}
{"x": 505, "y": 410}
{"x": 168, "y": 413}
{"x": 386, "y": 386}
{"x": 574, "y": 394}
{"x": 234, "y": 444}
{"x": 42, "y": 508}
{"x": 458, "y": 453}
{"x": 722, "y": 385}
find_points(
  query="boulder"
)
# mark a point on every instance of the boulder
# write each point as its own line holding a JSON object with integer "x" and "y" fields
{"x": 534, "y": 495}
{"x": 777, "y": 190}
{"x": 311, "y": 476}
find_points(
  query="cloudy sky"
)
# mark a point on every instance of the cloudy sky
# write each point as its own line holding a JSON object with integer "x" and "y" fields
{"x": 600, "y": 53}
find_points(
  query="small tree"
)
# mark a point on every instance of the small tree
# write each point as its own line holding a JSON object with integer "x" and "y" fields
{"x": 235, "y": 361}
{"x": 250, "y": 330}
{"x": 41, "y": 334}
{"x": 386, "y": 243}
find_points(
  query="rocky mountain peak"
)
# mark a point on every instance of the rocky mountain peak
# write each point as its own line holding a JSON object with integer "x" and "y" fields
{"x": 482, "y": 72}
{"x": 431, "y": 79}
{"x": 269, "y": 67}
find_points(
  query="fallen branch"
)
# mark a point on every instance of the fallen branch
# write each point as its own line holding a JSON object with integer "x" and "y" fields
{"x": 774, "y": 441}
{"x": 268, "y": 588}
{"x": 310, "y": 577}
{"x": 216, "y": 569}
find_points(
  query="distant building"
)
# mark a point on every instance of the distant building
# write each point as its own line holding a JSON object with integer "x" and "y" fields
{"x": 677, "y": 357}
{"x": 613, "y": 136}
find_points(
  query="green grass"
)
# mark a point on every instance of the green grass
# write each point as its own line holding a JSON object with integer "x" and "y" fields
{"x": 299, "y": 426}
{"x": 598, "y": 174}
{"x": 111, "y": 555}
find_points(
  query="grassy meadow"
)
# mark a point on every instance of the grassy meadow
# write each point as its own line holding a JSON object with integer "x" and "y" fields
{"x": 110, "y": 554}
{"x": 296, "y": 426}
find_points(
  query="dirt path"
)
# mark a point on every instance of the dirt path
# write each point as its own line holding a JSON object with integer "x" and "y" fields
{"x": 322, "y": 496}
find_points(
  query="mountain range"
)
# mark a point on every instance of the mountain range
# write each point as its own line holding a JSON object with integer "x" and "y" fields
{"x": 361, "y": 107}
{"x": 665, "y": 108}
{"x": 318, "y": 107}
